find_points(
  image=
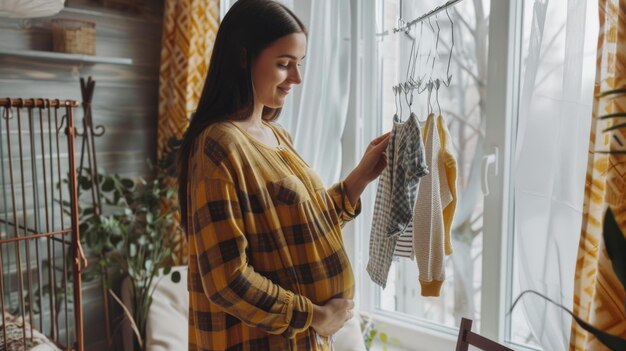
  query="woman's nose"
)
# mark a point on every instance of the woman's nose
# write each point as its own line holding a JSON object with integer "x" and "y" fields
{"x": 295, "y": 76}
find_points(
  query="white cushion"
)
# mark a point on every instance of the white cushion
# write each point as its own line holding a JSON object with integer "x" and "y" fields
{"x": 167, "y": 321}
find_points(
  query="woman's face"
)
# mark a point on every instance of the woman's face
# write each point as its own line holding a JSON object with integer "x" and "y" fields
{"x": 277, "y": 69}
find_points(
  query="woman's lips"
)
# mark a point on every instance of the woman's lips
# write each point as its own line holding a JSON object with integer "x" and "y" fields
{"x": 285, "y": 91}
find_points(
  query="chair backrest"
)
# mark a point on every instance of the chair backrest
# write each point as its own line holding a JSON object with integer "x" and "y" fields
{"x": 467, "y": 337}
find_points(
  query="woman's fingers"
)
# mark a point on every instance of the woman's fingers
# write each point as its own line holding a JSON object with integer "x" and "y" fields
{"x": 381, "y": 138}
{"x": 382, "y": 144}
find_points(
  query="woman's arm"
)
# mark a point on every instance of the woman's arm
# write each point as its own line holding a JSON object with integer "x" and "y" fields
{"x": 371, "y": 166}
{"x": 355, "y": 184}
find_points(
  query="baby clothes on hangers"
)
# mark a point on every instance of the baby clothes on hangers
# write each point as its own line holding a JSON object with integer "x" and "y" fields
{"x": 393, "y": 211}
{"x": 381, "y": 246}
{"x": 430, "y": 232}
{"x": 409, "y": 166}
{"x": 404, "y": 244}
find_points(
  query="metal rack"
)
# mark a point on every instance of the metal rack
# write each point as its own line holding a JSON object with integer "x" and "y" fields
{"x": 40, "y": 254}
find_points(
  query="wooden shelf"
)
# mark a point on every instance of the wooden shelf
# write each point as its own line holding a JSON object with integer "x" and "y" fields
{"x": 111, "y": 14}
{"x": 58, "y": 56}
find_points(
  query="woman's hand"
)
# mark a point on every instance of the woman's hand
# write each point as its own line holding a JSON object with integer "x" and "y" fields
{"x": 374, "y": 160}
{"x": 371, "y": 166}
{"x": 328, "y": 319}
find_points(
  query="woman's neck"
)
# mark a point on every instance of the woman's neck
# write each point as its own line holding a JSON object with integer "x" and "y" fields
{"x": 256, "y": 118}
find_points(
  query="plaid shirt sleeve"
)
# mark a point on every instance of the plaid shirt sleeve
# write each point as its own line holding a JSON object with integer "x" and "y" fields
{"x": 346, "y": 211}
{"x": 227, "y": 279}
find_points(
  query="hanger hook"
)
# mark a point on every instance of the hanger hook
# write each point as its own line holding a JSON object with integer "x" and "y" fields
{"x": 416, "y": 84}
{"x": 411, "y": 61}
{"x": 407, "y": 91}
{"x": 422, "y": 79}
{"x": 432, "y": 69}
{"x": 395, "y": 98}
{"x": 430, "y": 50}
{"x": 448, "y": 77}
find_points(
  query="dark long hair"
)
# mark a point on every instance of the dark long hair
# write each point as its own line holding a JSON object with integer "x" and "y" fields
{"x": 248, "y": 28}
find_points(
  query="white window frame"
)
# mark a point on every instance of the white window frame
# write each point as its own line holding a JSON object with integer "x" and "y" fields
{"x": 501, "y": 107}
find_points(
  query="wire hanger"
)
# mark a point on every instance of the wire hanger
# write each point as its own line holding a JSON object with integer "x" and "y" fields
{"x": 436, "y": 55}
{"x": 422, "y": 79}
{"x": 448, "y": 79}
{"x": 415, "y": 84}
{"x": 408, "y": 87}
{"x": 395, "y": 99}
{"x": 437, "y": 85}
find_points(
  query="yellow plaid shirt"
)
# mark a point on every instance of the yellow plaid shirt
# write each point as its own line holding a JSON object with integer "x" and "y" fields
{"x": 264, "y": 243}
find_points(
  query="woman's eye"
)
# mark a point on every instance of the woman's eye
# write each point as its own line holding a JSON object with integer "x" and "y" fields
{"x": 287, "y": 65}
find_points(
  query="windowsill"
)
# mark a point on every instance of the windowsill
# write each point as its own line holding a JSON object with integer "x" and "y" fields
{"x": 411, "y": 334}
{"x": 378, "y": 346}
{"x": 415, "y": 335}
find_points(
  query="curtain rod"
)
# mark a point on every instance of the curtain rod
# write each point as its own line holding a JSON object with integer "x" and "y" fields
{"x": 425, "y": 16}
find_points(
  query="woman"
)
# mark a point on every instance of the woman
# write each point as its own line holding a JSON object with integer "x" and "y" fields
{"x": 267, "y": 266}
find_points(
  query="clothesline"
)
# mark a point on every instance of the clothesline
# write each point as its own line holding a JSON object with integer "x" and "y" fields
{"x": 437, "y": 9}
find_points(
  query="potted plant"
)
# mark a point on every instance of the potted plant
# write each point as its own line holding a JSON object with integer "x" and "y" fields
{"x": 133, "y": 234}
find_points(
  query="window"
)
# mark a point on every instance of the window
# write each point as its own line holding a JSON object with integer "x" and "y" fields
{"x": 491, "y": 251}
{"x": 557, "y": 72}
{"x": 462, "y": 105}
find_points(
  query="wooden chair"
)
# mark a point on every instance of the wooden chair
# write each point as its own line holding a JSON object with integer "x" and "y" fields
{"x": 467, "y": 338}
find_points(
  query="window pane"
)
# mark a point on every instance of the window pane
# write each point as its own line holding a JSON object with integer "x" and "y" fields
{"x": 557, "y": 75}
{"x": 462, "y": 105}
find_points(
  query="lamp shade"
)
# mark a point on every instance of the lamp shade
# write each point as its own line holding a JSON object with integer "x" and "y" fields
{"x": 30, "y": 8}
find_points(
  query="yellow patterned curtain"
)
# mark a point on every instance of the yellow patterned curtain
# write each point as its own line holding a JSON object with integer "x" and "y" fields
{"x": 598, "y": 294}
{"x": 189, "y": 30}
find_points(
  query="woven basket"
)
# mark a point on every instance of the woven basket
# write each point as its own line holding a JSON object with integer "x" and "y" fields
{"x": 74, "y": 36}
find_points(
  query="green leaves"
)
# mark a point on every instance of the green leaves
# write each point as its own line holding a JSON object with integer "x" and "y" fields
{"x": 615, "y": 246}
{"x": 176, "y": 277}
{"x": 108, "y": 185}
{"x": 127, "y": 229}
{"x": 127, "y": 183}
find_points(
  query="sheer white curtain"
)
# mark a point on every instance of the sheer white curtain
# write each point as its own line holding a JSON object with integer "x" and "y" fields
{"x": 315, "y": 114}
{"x": 558, "y": 67}
{"x": 318, "y": 120}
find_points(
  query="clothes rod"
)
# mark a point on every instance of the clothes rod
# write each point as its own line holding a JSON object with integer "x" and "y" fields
{"x": 425, "y": 16}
